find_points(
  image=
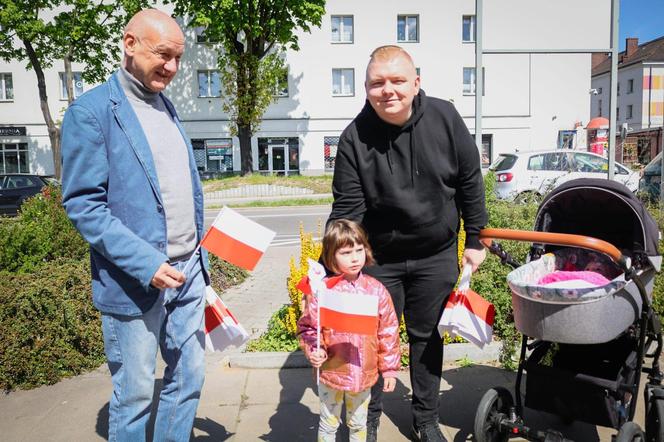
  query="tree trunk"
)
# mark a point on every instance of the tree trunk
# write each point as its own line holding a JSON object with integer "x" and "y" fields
{"x": 246, "y": 159}
{"x": 53, "y": 130}
{"x": 69, "y": 78}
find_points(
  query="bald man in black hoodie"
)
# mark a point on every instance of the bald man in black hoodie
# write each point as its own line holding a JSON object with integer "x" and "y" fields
{"x": 408, "y": 169}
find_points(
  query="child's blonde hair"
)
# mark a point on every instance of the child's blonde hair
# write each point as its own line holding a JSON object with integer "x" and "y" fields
{"x": 343, "y": 233}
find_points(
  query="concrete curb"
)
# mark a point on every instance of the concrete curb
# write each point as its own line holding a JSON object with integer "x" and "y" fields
{"x": 296, "y": 359}
{"x": 221, "y": 201}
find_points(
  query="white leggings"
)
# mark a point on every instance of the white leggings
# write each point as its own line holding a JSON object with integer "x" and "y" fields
{"x": 331, "y": 401}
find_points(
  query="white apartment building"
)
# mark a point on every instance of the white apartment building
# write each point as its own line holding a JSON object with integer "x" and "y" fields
{"x": 530, "y": 101}
{"x": 640, "y": 103}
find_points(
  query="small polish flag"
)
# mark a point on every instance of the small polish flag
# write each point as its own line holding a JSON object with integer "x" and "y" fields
{"x": 237, "y": 239}
{"x": 467, "y": 314}
{"x": 221, "y": 328}
{"x": 470, "y": 316}
{"x": 348, "y": 312}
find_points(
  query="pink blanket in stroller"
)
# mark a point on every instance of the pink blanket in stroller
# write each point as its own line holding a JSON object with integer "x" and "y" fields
{"x": 593, "y": 278}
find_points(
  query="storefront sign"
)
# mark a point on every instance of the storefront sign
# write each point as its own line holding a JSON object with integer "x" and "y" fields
{"x": 12, "y": 131}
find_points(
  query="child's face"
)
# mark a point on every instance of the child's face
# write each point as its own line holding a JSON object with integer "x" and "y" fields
{"x": 350, "y": 260}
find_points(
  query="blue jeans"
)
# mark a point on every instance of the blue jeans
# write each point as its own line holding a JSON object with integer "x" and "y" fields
{"x": 174, "y": 324}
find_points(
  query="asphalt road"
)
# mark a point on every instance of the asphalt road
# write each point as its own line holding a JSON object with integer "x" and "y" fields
{"x": 285, "y": 221}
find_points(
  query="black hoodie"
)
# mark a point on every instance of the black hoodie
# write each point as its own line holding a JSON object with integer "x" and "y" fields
{"x": 409, "y": 184}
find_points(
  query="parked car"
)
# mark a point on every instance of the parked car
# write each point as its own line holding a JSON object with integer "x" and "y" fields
{"x": 529, "y": 175}
{"x": 16, "y": 188}
{"x": 651, "y": 178}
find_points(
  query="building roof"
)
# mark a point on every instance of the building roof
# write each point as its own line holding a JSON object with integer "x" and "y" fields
{"x": 652, "y": 51}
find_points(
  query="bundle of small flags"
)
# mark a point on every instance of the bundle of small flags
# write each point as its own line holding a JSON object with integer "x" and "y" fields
{"x": 467, "y": 314}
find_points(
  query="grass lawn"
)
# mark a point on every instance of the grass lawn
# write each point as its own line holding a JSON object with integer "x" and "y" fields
{"x": 319, "y": 184}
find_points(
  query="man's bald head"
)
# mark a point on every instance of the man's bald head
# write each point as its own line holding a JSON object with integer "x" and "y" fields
{"x": 153, "y": 45}
{"x": 153, "y": 20}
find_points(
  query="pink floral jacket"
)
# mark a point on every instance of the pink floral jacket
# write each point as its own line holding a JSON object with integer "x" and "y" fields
{"x": 354, "y": 360}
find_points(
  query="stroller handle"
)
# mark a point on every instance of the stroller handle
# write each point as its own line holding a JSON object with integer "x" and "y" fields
{"x": 559, "y": 239}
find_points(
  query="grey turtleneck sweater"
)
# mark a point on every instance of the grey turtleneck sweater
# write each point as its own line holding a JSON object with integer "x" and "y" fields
{"x": 171, "y": 159}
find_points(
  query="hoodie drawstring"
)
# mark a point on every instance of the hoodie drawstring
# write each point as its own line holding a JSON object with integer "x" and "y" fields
{"x": 414, "y": 170}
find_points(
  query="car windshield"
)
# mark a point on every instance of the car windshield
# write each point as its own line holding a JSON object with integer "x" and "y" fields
{"x": 654, "y": 167}
{"x": 503, "y": 162}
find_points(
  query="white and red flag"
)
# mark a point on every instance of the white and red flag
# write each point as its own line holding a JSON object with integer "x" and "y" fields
{"x": 348, "y": 312}
{"x": 237, "y": 239}
{"x": 221, "y": 328}
{"x": 467, "y": 314}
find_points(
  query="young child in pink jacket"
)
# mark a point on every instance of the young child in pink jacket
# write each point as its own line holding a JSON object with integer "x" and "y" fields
{"x": 350, "y": 362}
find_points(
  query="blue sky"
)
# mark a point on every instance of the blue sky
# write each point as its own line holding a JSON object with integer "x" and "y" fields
{"x": 641, "y": 18}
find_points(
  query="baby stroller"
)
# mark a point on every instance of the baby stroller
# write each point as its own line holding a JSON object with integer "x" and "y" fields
{"x": 583, "y": 355}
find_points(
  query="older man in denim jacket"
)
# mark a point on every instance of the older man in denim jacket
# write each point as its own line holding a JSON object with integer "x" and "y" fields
{"x": 131, "y": 188}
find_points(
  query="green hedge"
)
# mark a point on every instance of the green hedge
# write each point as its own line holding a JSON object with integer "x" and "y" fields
{"x": 49, "y": 328}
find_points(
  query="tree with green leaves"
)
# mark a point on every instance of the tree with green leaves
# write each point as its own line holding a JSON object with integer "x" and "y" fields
{"x": 250, "y": 37}
{"x": 42, "y": 32}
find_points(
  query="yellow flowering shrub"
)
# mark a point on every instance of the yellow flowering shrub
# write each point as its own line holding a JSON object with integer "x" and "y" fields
{"x": 311, "y": 249}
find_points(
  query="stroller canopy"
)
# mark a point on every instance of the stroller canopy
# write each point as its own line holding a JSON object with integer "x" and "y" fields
{"x": 601, "y": 209}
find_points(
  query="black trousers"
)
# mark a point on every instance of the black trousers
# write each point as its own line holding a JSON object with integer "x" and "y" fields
{"x": 419, "y": 289}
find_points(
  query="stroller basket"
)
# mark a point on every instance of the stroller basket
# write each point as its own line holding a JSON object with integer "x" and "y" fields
{"x": 582, "y": 382}
{"x": 598, "y": 320}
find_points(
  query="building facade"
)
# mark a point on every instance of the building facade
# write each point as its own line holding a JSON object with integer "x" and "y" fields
{"x": 640, "y": 100}
{"x": 530, "y": 101}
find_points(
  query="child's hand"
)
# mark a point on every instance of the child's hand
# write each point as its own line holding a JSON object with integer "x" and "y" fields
{"x": 389, "y": 384}
{"x": 317, "y": 357}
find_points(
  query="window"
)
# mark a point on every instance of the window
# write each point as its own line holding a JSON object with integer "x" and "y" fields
{"x": 14, "y": 158}
{"x": 468, "y": 31}
{"x": 281, "y": 85}
{"x": 617, "y": 113}
{"x": 343, "y": 82}
{"x": 469, "y": 81}
{"x": 566, "y": 139}
{"x": 330, "y": 151}
{"x": 20, "y": 182}
{"x": 549, "y": 161}
{"x": 630, "y": 86}
{"x": 417, "y": 71}
{"x": 618, "y": 88}
{"x": 630, "y": 109}
{"x": 407, "y": 28}
{"x": 209, "y": 84}
{"x": 201, "y": 38}
{"x": 584, "y": 162}
{"x": 78, "y": 85}
{"x": 6, "y": 87}
{"x": 599, "y": 106}
{"x": 599, "y": 90}
{"x": 342, "y": 29}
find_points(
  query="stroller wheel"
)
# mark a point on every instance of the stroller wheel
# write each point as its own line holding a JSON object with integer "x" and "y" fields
{"x": 655, "y": 414}
{"x": 493, "y": 407}
{"x": 630, "y": 431}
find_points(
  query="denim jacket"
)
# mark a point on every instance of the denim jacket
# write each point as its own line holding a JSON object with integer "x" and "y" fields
{"x": 111, "y": 193}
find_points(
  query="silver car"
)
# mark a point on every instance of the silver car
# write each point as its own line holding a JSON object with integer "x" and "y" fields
{"x": 524, "y": 176}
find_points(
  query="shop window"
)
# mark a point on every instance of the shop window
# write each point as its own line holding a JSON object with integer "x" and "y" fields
{"x": 330, "y": 151}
